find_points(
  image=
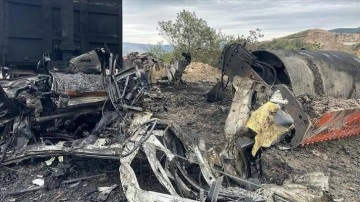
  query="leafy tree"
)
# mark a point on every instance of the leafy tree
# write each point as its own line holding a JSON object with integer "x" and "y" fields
{"x": 252, "y": 40}
{"x": 188, "y": 33}
{"x": 159, "y": 52}
{"x": 157, "y": 49}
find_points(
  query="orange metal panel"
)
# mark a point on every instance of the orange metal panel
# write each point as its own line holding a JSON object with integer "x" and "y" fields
{"x": 334, "y": 125}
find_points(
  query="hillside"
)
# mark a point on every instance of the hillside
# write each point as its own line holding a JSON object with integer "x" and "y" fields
{"x": 346, "y": 30}
{"x": 325, "y": 40}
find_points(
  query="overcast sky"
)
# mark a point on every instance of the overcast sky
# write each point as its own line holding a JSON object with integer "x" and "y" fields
{"x": 275, "y": 18}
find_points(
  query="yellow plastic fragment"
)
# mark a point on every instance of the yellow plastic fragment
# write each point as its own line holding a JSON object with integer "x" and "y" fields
{"x": 261, "y": 122}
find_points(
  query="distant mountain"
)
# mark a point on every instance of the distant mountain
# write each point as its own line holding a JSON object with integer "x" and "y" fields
{"x": 346, "y": 30}
{"x": 326, "y": 40}
{"x": 141, "y": 48}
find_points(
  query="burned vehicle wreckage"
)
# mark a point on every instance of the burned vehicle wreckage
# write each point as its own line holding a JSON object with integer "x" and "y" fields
{"x": 94, "y": 108}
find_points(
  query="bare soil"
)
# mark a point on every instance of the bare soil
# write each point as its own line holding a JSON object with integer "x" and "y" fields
{"x": 200, "y": 72}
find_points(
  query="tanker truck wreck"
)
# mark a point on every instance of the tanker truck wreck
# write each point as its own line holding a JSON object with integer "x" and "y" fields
{"x": 96, "y": 109}
{"x": 298, "y": 97}
{"x": 297, "y": 76}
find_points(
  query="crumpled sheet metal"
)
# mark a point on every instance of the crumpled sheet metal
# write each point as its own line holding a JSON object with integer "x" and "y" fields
{"x": 149, "y": 148}
{"x": 129, "y": 181}
{"x": 72, "y": 84}
{"x": 128, "y": 178}
{"x": 266, "y": 123}
{"x": 240, "y": 108}
{"x": 156, "y": 71}
{"x": 311, "y": 187}
{"x": 165, "y": 176}
{"x": 87, "y": 63}
{"x": 172, "y": 172}
{"x": 10, "y": 86}
{"x": 103, "y": 148}
{"x": 100, "y": 149}
{"x": 132, "y": 189}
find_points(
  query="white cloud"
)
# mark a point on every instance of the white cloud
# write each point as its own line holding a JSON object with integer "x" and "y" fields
{"x": 275, "y": 17}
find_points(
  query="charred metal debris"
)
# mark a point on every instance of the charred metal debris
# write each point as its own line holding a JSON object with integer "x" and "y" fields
{"x": 96, "y": 107}
{"x": 93, "y": 108}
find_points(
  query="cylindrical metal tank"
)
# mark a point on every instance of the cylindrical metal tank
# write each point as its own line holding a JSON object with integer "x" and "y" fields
{"x": 323, "y": 73}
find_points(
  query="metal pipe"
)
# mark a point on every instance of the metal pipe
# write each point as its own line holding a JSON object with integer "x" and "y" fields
{"x": 66, "y": 114}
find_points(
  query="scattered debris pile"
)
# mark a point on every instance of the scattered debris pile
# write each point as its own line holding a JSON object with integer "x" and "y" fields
{"x": 156, "y": 70}
{"x": 102, "y": 116}
{"x": 96, "y": 108}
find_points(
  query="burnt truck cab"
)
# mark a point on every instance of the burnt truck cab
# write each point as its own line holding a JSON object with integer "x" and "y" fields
{"x": 53, "y": 101}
